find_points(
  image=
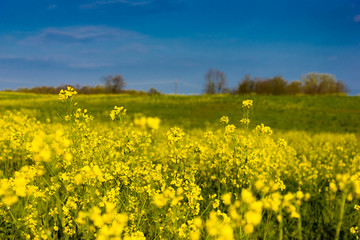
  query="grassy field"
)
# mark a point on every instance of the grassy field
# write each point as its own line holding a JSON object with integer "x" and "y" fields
{"x": 304, "y": 113}
{"x": 105, "y": 173}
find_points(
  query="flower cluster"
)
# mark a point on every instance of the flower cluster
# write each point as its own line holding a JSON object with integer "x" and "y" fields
{"x": 66, "y": 94}
{"x": 247, "y": 104}
{"x": 117, "y": 111}
{"x": 89, "y": 179}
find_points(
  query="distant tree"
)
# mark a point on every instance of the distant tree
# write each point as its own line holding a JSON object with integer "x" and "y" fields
{"x": 114, "y": 84}
{"x": 246, "y": 86}
{"x": 294, "y": 88}
{"x": 263, "y": 86}
{"x": 341, "y": 87}
{"x": 322, "y": 83}
{"x": 154, "y": 92}
{"x": 311, "y": 83}
{"x": 215, "y": 82}
{"x": 99, "y": 89}
{"x": 84, "y": 90}
{"x": 227, "y": 90}
{"x": 269, "y": 86}
{"x": 210, "y": 87}
{"x": 327, "y": 84}
{"x": 278, "y": 85}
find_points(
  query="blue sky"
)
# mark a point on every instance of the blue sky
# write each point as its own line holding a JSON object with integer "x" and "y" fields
{"x": 152, "y": 43}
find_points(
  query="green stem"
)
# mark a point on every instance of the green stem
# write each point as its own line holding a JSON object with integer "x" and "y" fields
{"x": 267, "y": 224}
{"x": 341, "y": 214}
{"x": 299, "y": 227}
{"x": 12, "y": 216}
{"x": 281, "y": 224}
{"x": 211, "y": 202}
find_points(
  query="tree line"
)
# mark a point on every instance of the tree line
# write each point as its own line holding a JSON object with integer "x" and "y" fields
{"x": 311, "y": 83}
{"x": 112, "y": 85}
{"x": 215, "y": 83}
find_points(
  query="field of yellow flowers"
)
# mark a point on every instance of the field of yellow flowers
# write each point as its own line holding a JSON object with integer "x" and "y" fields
{"x": 80, "y": 178}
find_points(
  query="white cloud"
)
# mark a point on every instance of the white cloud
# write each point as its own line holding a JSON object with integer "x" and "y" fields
{"x": 140, "y": 3}
{"x": 12, "y": 80}
{"x": 357, "y": 18}
{"x": 80, "y": 34}
{"x": 52, "y": 6}
{"x": 108, "y": 2}
{"x": 133, "y": 47}
{"x": 89, "y": 66}
{"x": 100, "y": 3}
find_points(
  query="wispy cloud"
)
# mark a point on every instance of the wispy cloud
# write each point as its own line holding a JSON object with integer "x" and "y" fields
{"x": 80, "y": 34}
{"x": 89, "y": 66}
{"x": 133, "y": 47}
{"x": 27, "y": 62}
{"x": 357, "y": 18}
{"x": 140, "y": 3}
{"x": 11, "y": 80}
{"x": 110, "y": 2}
{"x": 52, "y": 6}
{"x": 139, "y": 6}
{"x": 100, "y": 3}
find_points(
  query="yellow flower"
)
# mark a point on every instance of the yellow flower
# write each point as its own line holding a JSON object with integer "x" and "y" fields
{"x": 226, "y": 198}
{"x": 294, "y": 214}
{"x": 9, "y": 200}
{"x": 69, "y": 93}
{"x": 247, "y": 196}
{"x": 249, "y": 228}
{"x": 256, "y": 206}
{"x": 253, "y": 218}
{"x": 45, "y": 155}
{"x": 259, "y": 184}
{"x": 140, "y": 122}
{"x": 68, "y": 157}
{"x": 159, "y": 200}
{"x": 174, "y": 135}
{"x": 195, "y": 235}
{"x": 247, "y": 104}
{"x": 117, "y": 111}
{"x": 263, "y": 129}
{"x": 332, "y": 187}
{"x": 95, "y": 216}
{"x": 224, "y": 120}
{"x": 226, "y": 232}
{"x": 299, "y": 195}
{"x": 198, "y": 222}
{"x": 245, "y": 121}
{"x": 20, "y": 186}
{"x": 216, "y": 203}
{"x": 230, "y": 128}
{"x": 78, "y": 179}
{"x": 4, "y": 187}
{"x": 81, "y": 219}
{"x": 153, "y": 122}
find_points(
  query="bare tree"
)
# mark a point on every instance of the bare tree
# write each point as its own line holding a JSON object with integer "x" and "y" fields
{"x": 210, "y": 87}
{"x": 215, "y": 81}
{"x": 114, "y": 84}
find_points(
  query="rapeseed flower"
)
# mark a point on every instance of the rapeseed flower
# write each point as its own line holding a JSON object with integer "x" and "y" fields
{"x": 247, "y": 104}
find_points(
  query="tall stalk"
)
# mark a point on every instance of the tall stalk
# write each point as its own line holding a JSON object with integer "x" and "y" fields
{"x": 281, "y": 233}
{"x": 341, "y": 214}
